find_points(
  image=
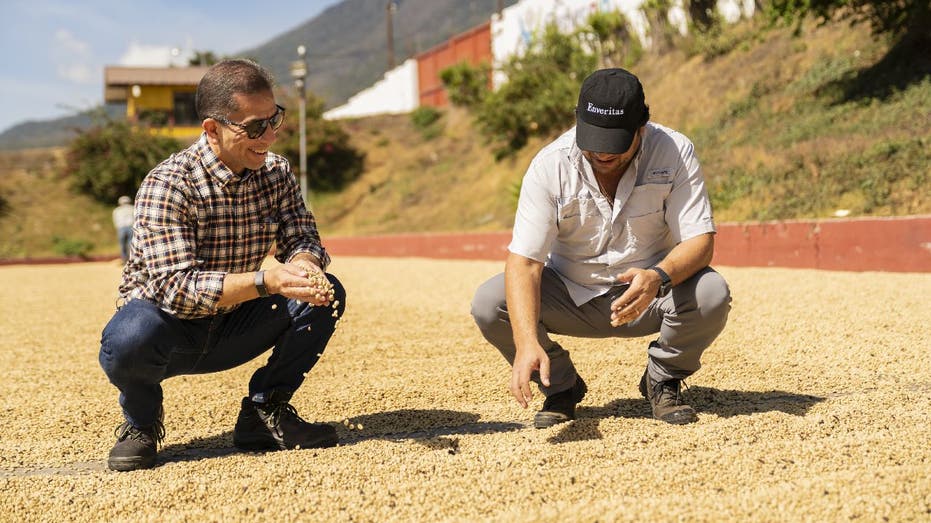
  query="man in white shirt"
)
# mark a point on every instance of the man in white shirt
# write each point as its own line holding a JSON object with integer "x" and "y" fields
{"x": 123, "y": 223}
{"x": 612, "y": 238}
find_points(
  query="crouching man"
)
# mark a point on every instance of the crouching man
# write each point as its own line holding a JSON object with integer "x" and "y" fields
{"x": 612, "y": 238}
{"x": 195, "y": 299}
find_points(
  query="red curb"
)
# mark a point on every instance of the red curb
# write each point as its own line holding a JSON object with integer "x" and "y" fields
{"x": 895, "y": 244}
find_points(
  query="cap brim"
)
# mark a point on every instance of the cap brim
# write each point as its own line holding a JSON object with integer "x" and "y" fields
{"x": 602, "y": 139}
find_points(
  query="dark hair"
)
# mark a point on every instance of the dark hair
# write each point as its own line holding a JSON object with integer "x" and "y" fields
{"x": 214, "y": 96}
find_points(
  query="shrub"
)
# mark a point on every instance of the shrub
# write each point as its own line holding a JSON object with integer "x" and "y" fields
{"x": 466, "y": 85}
{"x": 425, "y": 119}
{"x": 540, "y": 94}
{"x": 332, "y": 161}
{"x": 71, "y": 247}
{"x": 111, "y": 159}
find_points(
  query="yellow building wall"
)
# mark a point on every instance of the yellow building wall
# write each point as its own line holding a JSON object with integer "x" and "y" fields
{"x": 160, "y": 98}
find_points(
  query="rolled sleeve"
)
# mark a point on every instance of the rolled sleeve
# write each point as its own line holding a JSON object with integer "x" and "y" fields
{"x": 535, "y": 221}
{"x": 298, "y": 230}
{"x": 166, "y": 228}
{"x": 688, "y": 208}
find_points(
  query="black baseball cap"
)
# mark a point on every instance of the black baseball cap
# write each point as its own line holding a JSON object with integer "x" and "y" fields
{"x": 611, "y": 109}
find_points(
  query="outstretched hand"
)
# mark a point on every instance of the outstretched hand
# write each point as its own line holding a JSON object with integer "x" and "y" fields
{"x": 525, "y": 362}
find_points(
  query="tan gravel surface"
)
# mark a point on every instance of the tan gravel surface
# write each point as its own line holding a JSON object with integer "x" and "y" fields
{"x": 814, "y": 406}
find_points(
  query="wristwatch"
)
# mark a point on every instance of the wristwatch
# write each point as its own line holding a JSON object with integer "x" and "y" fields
{"x": 665, "y": 281}
{"x": 260, "y": 284}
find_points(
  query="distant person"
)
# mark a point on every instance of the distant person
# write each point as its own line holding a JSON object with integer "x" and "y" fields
{"x": 612, "y": 238}
{"x": 195, "y": 298}
{"x": 123, "y": 221}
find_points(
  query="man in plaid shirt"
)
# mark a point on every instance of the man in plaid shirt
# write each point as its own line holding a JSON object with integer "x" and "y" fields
{"x": 195, "y": 297}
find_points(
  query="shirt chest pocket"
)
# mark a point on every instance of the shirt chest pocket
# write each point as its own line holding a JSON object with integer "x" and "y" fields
{"x": 646, "y": 212}
{"x": 581, "y": 225}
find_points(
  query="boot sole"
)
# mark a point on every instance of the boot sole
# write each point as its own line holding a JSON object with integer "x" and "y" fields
{"x": 263, "y": 444}
{"x": 545, "y": 419}
{"x": 130, "y": 464}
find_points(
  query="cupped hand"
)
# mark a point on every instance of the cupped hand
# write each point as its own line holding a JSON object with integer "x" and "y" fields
{"x": 302, "y": 281}
{"x": 644, "y": 285}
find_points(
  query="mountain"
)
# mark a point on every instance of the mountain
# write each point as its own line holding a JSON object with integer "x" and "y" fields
{"x": 346, "y": 52}
{"x": 347, "y": 43}
{"x": 50, "y": 133}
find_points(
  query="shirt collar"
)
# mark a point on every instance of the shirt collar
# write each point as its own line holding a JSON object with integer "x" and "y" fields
{"x": 215, "y": 167}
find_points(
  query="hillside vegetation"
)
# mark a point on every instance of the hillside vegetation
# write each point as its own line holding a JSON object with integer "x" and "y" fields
{"x": 786, "y": 125}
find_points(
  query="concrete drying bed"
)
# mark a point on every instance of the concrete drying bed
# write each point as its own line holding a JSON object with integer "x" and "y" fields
{"x": 814, "y": 405}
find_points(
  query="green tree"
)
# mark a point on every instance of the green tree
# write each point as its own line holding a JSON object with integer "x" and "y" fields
{"x": 206, "y": 58}
{"x": 111, "y": 159}
{"x": 332, "y": 161}
{"x": 609, "y": 35}
{"x": 540, "y": 94}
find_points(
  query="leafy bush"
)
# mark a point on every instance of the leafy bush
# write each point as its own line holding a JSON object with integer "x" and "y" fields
{"x": 71, "y": 247}
{"x": 332, "y": 162}
{"x": 466, "y": 85}
{"x": 111, "y": 159}
{"x": 609, "y": 35}
{"x": 540, "y": 94}
{"x": 425, "y": 119}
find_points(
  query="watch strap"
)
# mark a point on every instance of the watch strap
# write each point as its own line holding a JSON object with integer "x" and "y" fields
{"x": 260, "y": 284}
{"x": 665, "y": 281}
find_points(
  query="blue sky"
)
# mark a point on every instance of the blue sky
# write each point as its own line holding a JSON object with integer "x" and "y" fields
{"x": 54, "y": 51}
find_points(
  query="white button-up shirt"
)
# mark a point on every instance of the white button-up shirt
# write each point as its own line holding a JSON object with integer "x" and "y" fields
{"x": 564, "y": 220}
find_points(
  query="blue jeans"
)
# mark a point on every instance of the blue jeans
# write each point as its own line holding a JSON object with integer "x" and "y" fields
{"x": 125, "y": 236}
{"x": 143, "y": 345}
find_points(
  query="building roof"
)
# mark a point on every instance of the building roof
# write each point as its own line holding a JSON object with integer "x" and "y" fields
{"x": 115, "y": 76}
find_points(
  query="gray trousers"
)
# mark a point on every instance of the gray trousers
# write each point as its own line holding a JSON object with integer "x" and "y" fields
{"x": 687, "y": 319}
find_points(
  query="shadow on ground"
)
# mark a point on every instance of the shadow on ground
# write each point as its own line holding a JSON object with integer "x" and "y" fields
{"x": 722, "y": 403}
{"x": 429, "y": 427}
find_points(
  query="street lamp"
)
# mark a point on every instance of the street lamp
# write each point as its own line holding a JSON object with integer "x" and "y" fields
{"x": 390, "y": 9}
{"x": 299, "y": 73}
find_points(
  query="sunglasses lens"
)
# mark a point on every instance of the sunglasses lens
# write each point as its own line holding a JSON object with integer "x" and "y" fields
{"x": 277, "y": 119}
{"x": 255, "y": 128}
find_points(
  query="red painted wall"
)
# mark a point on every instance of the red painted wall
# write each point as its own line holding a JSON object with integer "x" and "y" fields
{"x": 472, "y": 46}
{"x": 901, "y": 244}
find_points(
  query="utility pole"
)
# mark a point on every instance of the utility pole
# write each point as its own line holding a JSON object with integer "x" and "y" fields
{"x": 389, "y": 20}
{"x": 299, "y": 73}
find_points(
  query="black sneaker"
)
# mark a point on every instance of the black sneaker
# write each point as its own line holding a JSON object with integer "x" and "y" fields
{"x": 560, "y": 407}
{"x": 275, "y": 425}
{"x": 135, "y": 447}
{"x": 664, "y": 398}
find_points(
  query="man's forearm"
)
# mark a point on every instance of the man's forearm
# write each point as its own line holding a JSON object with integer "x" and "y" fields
{"x": 522, "y": 290}
{"x": 237, "y": 288}
{"x": 687, "y": 258}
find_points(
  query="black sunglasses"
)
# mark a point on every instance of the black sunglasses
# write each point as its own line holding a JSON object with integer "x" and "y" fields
{"x": 256, "y": 128}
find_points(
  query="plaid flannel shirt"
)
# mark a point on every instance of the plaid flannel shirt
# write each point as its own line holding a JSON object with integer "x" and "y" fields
{"x": 196, "y": 221}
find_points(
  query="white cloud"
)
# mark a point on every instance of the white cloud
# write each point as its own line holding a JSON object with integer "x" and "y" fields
{"x": 73, "y": 58}
{"x": 141, "y": 55}
{"x": 77, "y": 73}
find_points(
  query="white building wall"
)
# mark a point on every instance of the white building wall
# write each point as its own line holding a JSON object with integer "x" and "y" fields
{"x": 396, "y": 92}
{"x": 512, "y": 31}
